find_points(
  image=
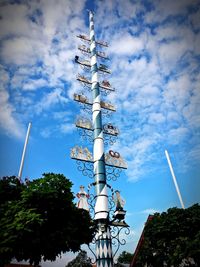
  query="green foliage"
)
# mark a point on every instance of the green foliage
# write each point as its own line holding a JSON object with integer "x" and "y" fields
{"x": 172, "y": 237}
{"x": 40, "y": 219}
{"x": 81, "y": 260}
{"x": 125, "y": 257}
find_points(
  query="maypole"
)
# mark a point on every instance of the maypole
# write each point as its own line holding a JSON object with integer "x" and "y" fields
{"x": 103, "y": 241}
{"x": 99, "y": 166}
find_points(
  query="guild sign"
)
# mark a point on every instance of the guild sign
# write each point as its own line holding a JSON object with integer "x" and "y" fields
{"x": 110, "y": 129}
{"x": 84, "y": 123}
{"x": 107, "y": 106}
{"x": 82, "y": 62}
{"x": 106, "y": 83}
{"x": 82, "y": 78}
{"x": 80, "y": 153}
{"x": 84, "y": 37}
{"x": 104, "y": 68}
{"x": 114, "y": 159}
{"x": 84, "y": 48}
{"x": 80, "y": 98}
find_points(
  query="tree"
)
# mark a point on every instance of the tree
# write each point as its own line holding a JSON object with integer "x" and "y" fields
{"x": 81, "y": 260}
{"x": 125, "y": 257}
{"x": 40, "y": 220}
{"x": 172, "y": 238}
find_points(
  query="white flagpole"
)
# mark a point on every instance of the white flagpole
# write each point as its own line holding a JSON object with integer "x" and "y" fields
{"x": 24, "y": 152}
{"x": 174, "y": 179}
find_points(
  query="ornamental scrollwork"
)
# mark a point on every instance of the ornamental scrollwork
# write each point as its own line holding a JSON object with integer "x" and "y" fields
{"x": 112, "y": 173}
{"x": 86, "y": 168}
{"x": 118, "y": 241}
{"x": 109, "y": 139}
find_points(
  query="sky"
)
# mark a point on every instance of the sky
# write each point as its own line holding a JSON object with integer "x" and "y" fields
{"x": 154, "y": 51}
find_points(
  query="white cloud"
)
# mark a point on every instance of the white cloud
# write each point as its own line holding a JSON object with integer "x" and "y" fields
{"x": 35, "y": 84}
{"x": 8, "y": 122}
{"x": 176, "y": 136}
{"x": 125, "y": 44}
{"x": 67, "y": 128}
{"x": 149, "y": 211}
{"x": 50, "y": 99}
{"x": 156, "y": 118}
{"x": 19, "y": 51}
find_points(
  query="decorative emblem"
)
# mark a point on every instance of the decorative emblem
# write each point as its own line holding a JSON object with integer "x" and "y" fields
{"x": 107, "y": 106}
{"x": 82, "y": 62}
{"x": 114, "y": 159}
{"x": 118, "y": 200}
{"x": 106, "y": 83}
{"x": 104, "y": 68}
{"x": 80, "y": 153}
{"x": 102, "y": 54}
{"x": 83, "y": 79}
{"x": 80, "y": 98}
{"x": 82, "y": 199}
{"x": 84, "y": 48}
{"x": 84, "y": 37}
{"x": 110, "y": 129}
{"x": 119, "y": 214}
{"x": 84, "y": 123}
{"x": 83, "y": 99}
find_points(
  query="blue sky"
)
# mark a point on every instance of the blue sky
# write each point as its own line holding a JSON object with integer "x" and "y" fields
{"x": 154, "y": 49}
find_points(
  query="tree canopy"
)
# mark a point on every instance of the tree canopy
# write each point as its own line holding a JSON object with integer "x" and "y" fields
{"x": 39, "y": 220}
{"x": 173, "y": 238}
{"x": 125, "y": 257}
{"x": 81, "y": 260}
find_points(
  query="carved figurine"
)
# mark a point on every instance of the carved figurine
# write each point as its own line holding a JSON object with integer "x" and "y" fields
{"x": 106, "y": 83}
{"x": 82, "y": 199}
{"x": 119, "y": 201}
{"x": 119, "y": 214}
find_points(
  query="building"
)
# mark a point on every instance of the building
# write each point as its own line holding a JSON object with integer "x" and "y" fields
{"x": 140, "y": 242}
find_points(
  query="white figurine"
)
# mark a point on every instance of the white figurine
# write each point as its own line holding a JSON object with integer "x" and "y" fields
{"x": 82, "y": 196}
{"x": 119, "y": 201}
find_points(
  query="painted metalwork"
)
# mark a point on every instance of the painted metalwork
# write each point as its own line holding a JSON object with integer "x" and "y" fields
{"x": 99, "y": 166}
{"x": 84, "y": 127}
{"x": 81, "y": 153}
{"x": 109, "y": 128}
{"x": 105, "y": 84}
{"x": 103, "y": 238}
{"x": 86, "y": 38}
{"x": 116, "y": 233}
{"x": 86, "y": 51}
{"x": 112, "y": 173}
{"x": 111, "y": 158}
{"x": 84, "y": 123}
{"x": 114, "y": 159}
{"x": 86, "y": 63}
{"x": 86, "y": 168}
{"x": 84, "y": 100}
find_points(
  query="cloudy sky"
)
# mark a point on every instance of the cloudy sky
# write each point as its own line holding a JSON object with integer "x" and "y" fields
{"x": 154, "y": 50}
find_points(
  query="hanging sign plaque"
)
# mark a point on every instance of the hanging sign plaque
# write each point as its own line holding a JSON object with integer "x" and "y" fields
{"x": 84, "y": 123}
{"x": 110, "y": 129}
{"x": 114, "y": 159}
{"x": 83, "y": 99}
{"x": 80, "y": 153}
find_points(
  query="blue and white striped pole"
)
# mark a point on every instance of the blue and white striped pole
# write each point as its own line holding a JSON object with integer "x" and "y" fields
{"x": 103, "y": 238}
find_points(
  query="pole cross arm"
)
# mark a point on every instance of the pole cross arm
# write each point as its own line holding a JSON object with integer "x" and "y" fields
{"x": 86, "y": 38}
{"x": 84, "y": 100}
{"x": 104, "y": 84}
{"x": 112, "y": 159}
